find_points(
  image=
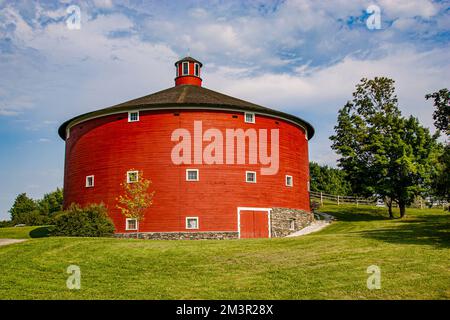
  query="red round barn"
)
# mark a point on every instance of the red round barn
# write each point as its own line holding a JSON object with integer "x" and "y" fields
{"x": 220, "y": 167}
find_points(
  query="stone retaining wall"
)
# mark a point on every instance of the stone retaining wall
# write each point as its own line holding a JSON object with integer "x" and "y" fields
{"x": 283, "y": 219}
{"x": 218, "y": 235}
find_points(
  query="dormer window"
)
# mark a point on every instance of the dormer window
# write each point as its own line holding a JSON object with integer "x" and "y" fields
{"x": 133, "y": 116}
{"x": 197, "y": 69}
{"x": 249, "y": 117}
{"x": 185, "y": 68}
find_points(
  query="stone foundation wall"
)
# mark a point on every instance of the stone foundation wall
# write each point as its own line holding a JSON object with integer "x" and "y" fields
{"x": 218, "y": 235}
{"x": 281, "y": 219}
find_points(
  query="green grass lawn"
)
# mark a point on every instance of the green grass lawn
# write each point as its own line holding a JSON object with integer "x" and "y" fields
{"x": 23, "y": 232}
{"x": 413, "y": 255}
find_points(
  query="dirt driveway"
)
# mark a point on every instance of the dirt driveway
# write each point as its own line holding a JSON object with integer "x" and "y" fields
{"x": 5, "y": 242}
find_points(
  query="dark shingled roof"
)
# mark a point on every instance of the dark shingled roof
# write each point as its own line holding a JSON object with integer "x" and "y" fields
{"x": 187, "y": 96}
{"x": 189, "y": 59}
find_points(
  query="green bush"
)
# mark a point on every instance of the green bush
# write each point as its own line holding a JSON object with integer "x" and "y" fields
{"x": 90, "y": 221}
{"x": 6, "y": 224}
{"x": 32, "y": 218}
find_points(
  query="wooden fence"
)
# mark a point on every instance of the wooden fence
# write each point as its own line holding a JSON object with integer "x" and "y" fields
{"x": 321, "y": 196}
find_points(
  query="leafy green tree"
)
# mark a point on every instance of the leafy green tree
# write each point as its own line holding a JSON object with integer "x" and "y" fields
{"x": 136, "y": 198}
{"x": 381, "y": 152}
{"x": 328, "y": 180}
{"x": 51, "y": 202}
{"x": 441, "y": 180}
{"x": 31, "y": 218}
{"x": 440, "y": 185}
{"x": 22, "y": 205}
{"x": 441, "y": 114}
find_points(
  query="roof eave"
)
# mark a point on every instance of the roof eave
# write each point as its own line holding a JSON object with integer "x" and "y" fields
{"x": 120, "y": 109}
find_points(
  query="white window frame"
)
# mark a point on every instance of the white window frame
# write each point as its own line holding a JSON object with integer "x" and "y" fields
{"x": 128, "y": 176}
{"x": 187, "y": 175}
{"x": 182, "y": 68}
{"x": 308, "y": 186}
{"x": 253, "y": 117}
{"x": 178, "y": 70}
{"x": 126, "y": 224}
{"x": 246, "y": 176}
{"x": 187, "y": 226}
{"x": 292, "y": 224}
{"x": 93, "y": 181}
{"x": 129, "y": 116}
{"x": 196, "y": 65}
{"x": 286, "y": 181}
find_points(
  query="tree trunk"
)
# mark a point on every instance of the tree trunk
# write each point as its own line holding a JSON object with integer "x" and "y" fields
{"x": 402, "y": 207}
{"x": 389, "y": 204}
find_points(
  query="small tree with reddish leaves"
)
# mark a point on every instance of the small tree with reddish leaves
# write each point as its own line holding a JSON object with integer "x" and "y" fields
{"x": 136, "y": 198}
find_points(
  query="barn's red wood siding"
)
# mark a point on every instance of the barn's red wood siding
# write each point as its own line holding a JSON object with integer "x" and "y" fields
{"x": 109, "y": 146}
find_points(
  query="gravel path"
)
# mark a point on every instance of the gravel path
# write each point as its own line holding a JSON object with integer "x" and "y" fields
{"x": 5, "y": 242}
{"x": 325, "y": 220}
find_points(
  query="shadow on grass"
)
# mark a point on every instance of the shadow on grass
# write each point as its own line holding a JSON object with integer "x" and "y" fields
{"x": 424, "y": 230}
{"x": 365, "y": 213}
{"x": 40, "y": 232}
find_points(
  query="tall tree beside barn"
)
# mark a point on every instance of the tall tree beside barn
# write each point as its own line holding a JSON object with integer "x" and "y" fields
{"x": 382, "y": 152}
{"x": 136, "y": 198}
{"x": 441, "y": 180}
{"x": 328, "y": 180}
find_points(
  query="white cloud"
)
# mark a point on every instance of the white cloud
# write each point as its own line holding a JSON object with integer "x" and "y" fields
{"x": 6, "y": 112}
{"x": 329, "y": 88}
{"x": 103, "y": 3}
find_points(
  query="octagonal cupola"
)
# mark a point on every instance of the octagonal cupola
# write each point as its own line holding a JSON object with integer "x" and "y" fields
{"x": 188, "y": 72}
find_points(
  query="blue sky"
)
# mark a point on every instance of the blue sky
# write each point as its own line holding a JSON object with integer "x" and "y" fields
{"x": 302, "y": 57}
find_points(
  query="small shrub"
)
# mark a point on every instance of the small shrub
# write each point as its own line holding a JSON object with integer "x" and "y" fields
{"x": 90, "y": 221}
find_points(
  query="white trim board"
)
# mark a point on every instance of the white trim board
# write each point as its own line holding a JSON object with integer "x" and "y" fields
{"x": 239, "y": 209}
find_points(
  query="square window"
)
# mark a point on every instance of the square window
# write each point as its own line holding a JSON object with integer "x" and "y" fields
{"x": 292, "y": 224}
{"x": 131, "y": 224}
{"x": 192, "y": 175}
{"x": 89, "y": 181}
{"x": 185, "y": 68}
{"x": 250, "y": 176}
{"x": 289, "y": 181}
{"x": 133, "y": 116}
{"x": 192, "y": 223}
{"x": 249, "y": 117}
{"x": 132, "y": 176}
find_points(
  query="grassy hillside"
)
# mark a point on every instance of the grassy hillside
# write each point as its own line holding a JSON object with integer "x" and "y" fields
{"x": 413, "y": 255}
{"x": 24, "y": 232}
